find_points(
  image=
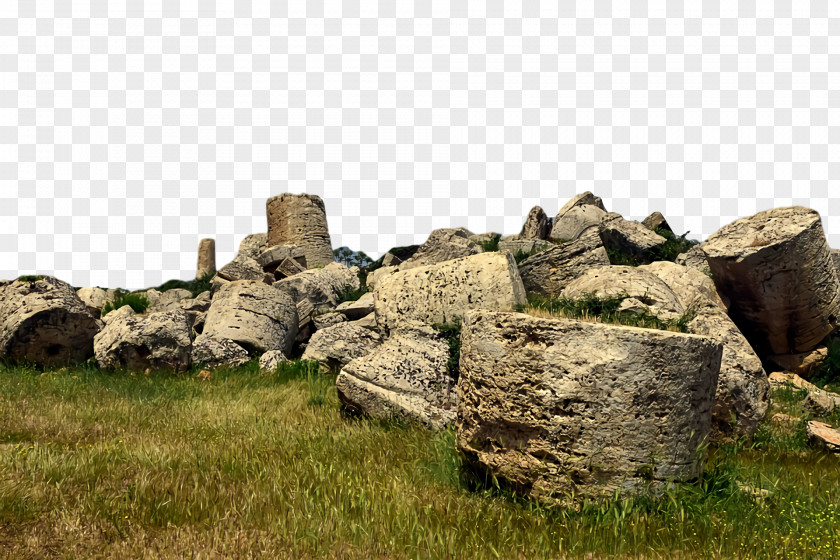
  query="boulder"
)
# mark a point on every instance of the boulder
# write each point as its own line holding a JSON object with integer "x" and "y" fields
{"x": 406, "y": 377}
{"x": 695, "y": 258}
{"x": 271, "y": 359}
{"x": 527, "y": 246}
{"x": 273, "y": 257}
{"x": 96, "y": 298}
{"x": 480, "y": 238}
{"x": 124, "y": 311}
{"x": 362, "y": 307}
{"x": 254, "y": 315}
{"x": 321, "y": 286}
{"x": 328, "y": 319}
{"x": 575, "y": 221}
{"x": 817, "y": 400}
{"x": 44, "y": 321}
{"x": 373, "y": 278}
{"x": 442, "y": 293}
{"x": 801, "y": 364}
{"x": 634, "y": 282}
{"x": 555, "y": 408}
{"x": 390, "y": 259}
{"x": 289, "y": 267}
{"x": 823, "y": 434}
{"x": 241, "y": 268}
{"x": 626, "y": 236}
{"x": 548, "y": 272}
{"x": 300, "y": 219}
{"x": 687, "y": 284}
{"x": 656, "y": 221}
{"x": 334, "y": 347}
{"x": 160, "y": 340}
{"x": 585, "y": 198}
{"x": 776, "y": 269}
{"x": 216, "y": 352}
{"x": 199, "y": 303}
{"x": 368, "y": 322}
{"x": 253, "y": 245}
{"x": 443, "y": 245}
{"x": 537, "y": 225}
{"x": 166, "y": 301}
{"x": 206, "y": 258}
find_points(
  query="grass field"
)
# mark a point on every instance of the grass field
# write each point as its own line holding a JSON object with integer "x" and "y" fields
{"x": 115, "y": 465}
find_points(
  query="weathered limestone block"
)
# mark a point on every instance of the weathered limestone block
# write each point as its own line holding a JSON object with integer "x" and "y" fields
{"x": 688, "y": 284}
{"x": 271, "y": 359}
{"x": 328, "y": 319}
{"x": 254, "y": 315}
{"x": 45, "y": 322}
{"x": 120, "y": 312}
{"x": 241, "y": 268}
{"x": 553, "y": 407}
{"x": 585, "y": 198}
{"x": 801, "y": 364}
{"x": 537, "y": 225}
{"x": 338, "y": 345}
{"x": 166, "y": 301}
{"x": 405, "y": 377}
{"x": 374, "y": 277}
{"x": 777, "y": 271}
{"x": 823, "y": 434}
{"x": 159, "y": 340}
{"x": 656, "y": 221}
{"x": 443, "y": 293}
{"x": 206, "y": 258}
{"x": 216, "y": 352}
{"x": 354, "y": 310}
{"x": 575, "y": 221}
{"x": 96, "y": 298}
{"x": 443, "y": 245}
{"x": 548, "y": 272}
{"x": 253, "y": 245}
{"x": 300, "y": 220}
{"x": 368, "y": 322}
{"x": 273, "y": 257}
{"x": 694, "y": 258}
{"x": 321, "y": 286}
{"x": 516, "y": 246}
{"x": 287, "y": 268}
{"x": 480, "y": 238}
{"x": 629, "y": 237}
{"x": 817, "y": 400}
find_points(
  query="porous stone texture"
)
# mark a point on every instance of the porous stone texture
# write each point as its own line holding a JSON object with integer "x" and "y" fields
{"x": 159, "y": 340}
{"x": 96, "y": 298}
{"x": 273, "y": 257}
{"x": 585, "y": 198}
{"x": 206, "y": 258}
{"x": 480, "y": 238}
{"x": 124, "y": 311}
{"x": 241, "y": 268}
{"x": 201, "y": 302}
{"x": 613, "y": 281}
{"x": 254, "y": 315}
{"x": 575, "y": 221}
{"x": 216, "y": 352}
{"x": 516, "y": 246}
{"x": 373, "y": 278}
{"x": 321, "y": 286}
{"x": 287, "y": 268}
{"x": 442, "y": 293}
{"x": 537, "y": 225}
{"x": 166, "y": 301}
{"x": 253, "y": 245}
{"x": 694, "y": 258}
{"x": 443, "y": 245}
{"x": 335, "y": 346}
{"x": 777, "y": 271}
{"x": 328, "y": 319}
{"x": 362, "y": 307}
{"x": 405, "y": 377}
{"x": 300, "y": 219}
{"x": 271, "y": 359}
{"x": 390, "y": 259}
{"x": 368, "y": 322}
{"x": 548, "y": 272}
{"x": 45, "y": 322}
{"x": 687, "y": 284}
{"x": 823, "y": 434}
{"x": 554, "y": 407}
{"x": 627, "y": 236}
{"x": 656, "y": 221}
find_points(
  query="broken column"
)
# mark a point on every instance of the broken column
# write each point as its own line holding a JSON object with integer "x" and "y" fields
{"x": 300, "y": 219}
{"x": 206, "y": 258}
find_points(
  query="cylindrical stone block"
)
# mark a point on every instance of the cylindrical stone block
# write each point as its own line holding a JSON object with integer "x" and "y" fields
{"x": 206, "y": 258}
{"x": 301, "y": 220}
{"x": 776, "y": 269}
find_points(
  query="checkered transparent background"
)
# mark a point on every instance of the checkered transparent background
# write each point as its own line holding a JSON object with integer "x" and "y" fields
{"x": 130, "y": 130}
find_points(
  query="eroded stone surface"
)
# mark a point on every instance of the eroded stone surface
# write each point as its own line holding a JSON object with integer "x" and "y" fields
{"x": 159, "y": 340}
{"x": 687, "y": 284}
{"x": 627, "y": 236}
{"x": 823, "y": 434}
{"x": 572, "y": 223}
{"x": 777, "y": 271}
{"x": 321, "y": 285}
{"x": 694, "y": 258}
{"x": 548, "y": 272}
{"x": 253, "y": 245}
{"x": 206, "y": 258}
{"x": 337, "y": 345}
{"x": 354, "y": 310}
{"x": 216, "y": 352}
{"x": 515, "y": 246}
{"x": 300, "y": 220}
{"x": 553, "y": 406}
{"x": 443, "y": 245}
{"x": 536, "y": 226}
{"x": 271, "y": 359}
{"x": 656, "y": 221}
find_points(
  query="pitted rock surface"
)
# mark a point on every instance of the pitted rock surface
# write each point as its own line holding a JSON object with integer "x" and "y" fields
{"x": 554, "y": 406}
{"x": 537, "y": 225}
{"x": 96, "y": 298}
{"x": 273, "y": 257}
{"x": 575, "y": 221}
{"x": 321, "y": 286}
{"x": 301, "y": 220}
{"x": 254, "y": 315}
{"x": 166, "y": 301}
{"x": 206, "y": 258}
{"x": 135, "y": 342}
{"x": 443, "y": 245}
{"x": 515, "y": 246}
{"x": 354, "y": 310}
{"x": 585, "y": 198}
{"x": 373, "y": 278}
{"x": 656, "y": 221}
{"x": 253, "y": 245}
{"x": 548, "y": 272}
{"x": 776, "y": 268}
{"x": 627, "y": 236}
{"x": 45, "y": 322}
{"x": 334, "y": 347}
{"x": 405, "y": 377}
{"x": 271, "y": 359}
{"x": 687, "y": 284}
{"x": 442, "y": 293}
{"x": 694, "y": 258}
{"x": 328, "y": 319}
{"x": 216, "y": 352}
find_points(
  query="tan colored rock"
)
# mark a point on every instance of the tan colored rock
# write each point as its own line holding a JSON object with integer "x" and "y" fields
{"x": 517, "y": 246}
{"x": 338, "y": 345}
{"x": 321, "y": 286}
{"x": 443, "y": 245}
{"x": 354, "y": 310}
{"x": 777, "y": 270}
{"x": 254, "y": 315}
{"x": 442, "y": 293}
{"x": 803, "y": 363}
{"x": 695, "y": 258}
{"x": 687, "y": 284}
{"x": 818, "y": 400}
{"x": 96, "y": 298}
{"x": 166, "y": 301}
{"x": 585, "y": 198}
{"x": 479, "y": 238}
{"x": 271, "y": 360}
{"x": 120, "y": 312}
{"x": 253, "y": 245}
{"x": 216, "y": 352}
{"x": 575, "y": 221}
{"x": 555, "y": 407}
{"x": 823, "y": 434}
{"x": 629, "y": 237}
{"x": 328, "y": 319}
{"x": 300, "y": 220}
{"x": 159, "y": 340}
{"x": 368, "y": 322}
{"x": 548, "y": 272}
{"x": 287, "y": 268}
{"x": 656, "y": 221}
{"x": 537, "y": 225}
{"x": 374, "y": 277}
{"x": 273, "y": 257}
{"x": 45, "y": 322}
{"x": 406, "y": 377}
{"x": 390, "y": 259}
{"x": 206, "y": 258}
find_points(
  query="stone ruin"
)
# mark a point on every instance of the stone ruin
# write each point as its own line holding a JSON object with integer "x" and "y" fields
{"x": 550, "y": 406}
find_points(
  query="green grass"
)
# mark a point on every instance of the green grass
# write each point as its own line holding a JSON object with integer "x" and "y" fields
{"x": 604, "y": 310}
{"x": 668, "y": 251}
{"x": 244, "y": 464}
{"x": 492, "y": 245}
{"x": 353, "y": 295}
{"x": 522, "y": 255}
{"x": 137, "y": 302}
{"x": 30, "y": 278}
{"x": 827, "y": 374}
{"x": 452, "y": 334}
{"x": 195, "y": 287}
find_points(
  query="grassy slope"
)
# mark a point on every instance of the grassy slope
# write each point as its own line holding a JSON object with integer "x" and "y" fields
{"x": 118, "y": 465}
